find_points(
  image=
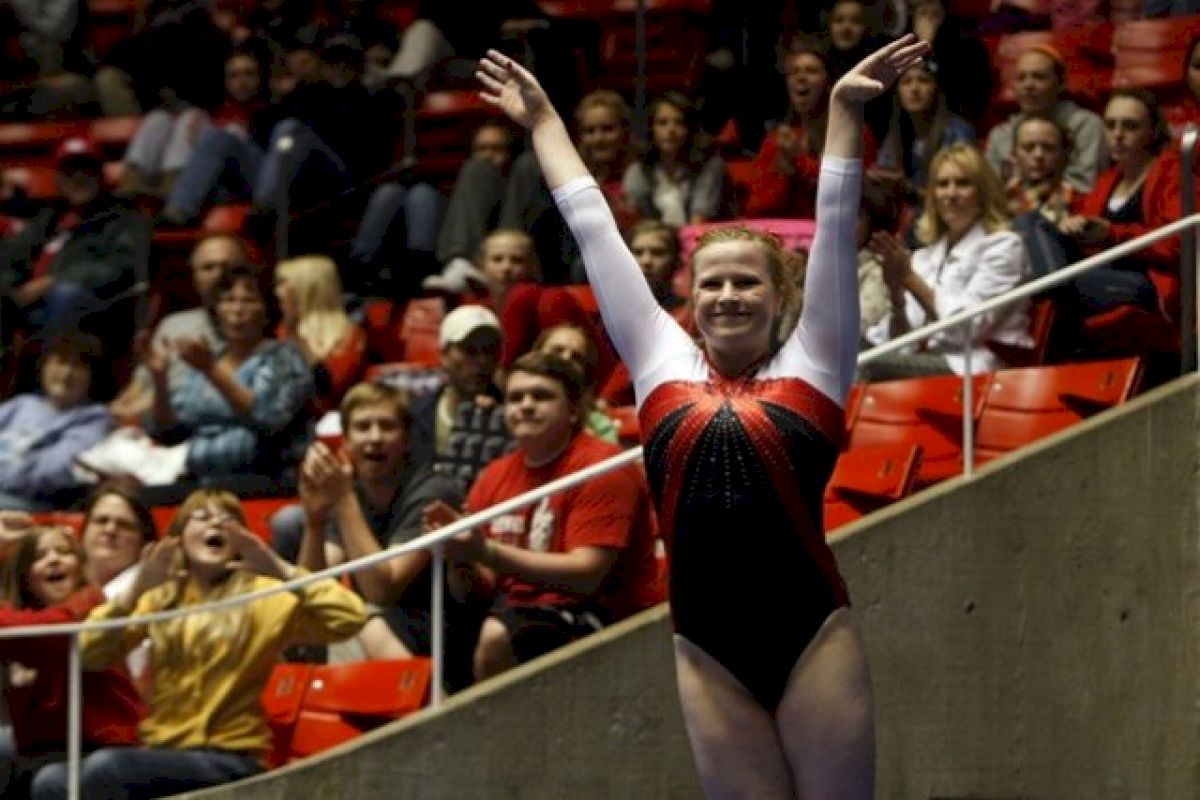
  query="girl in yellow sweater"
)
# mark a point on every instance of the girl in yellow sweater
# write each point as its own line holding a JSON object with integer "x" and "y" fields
{"x": 206, "y": 724}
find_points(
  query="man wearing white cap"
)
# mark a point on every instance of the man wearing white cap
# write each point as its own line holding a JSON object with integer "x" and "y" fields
{"x": 461, "y": 426}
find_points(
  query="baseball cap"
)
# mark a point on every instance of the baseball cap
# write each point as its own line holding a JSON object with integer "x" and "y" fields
{"x": 463, "y": 321}
{"x": 76, "y": 148}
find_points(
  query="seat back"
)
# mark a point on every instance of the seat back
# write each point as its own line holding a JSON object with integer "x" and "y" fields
{"x": 1024, "y": 405}
{"x": 1087, "y": 51}
{"x": 868, "y": 479}
{"x": 419, "y": 330}
{"x": 1149, "y": 53}
{"x": 922, "y": 411}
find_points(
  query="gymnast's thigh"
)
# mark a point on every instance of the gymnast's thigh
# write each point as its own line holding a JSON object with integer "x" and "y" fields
{"x": 826, "y": 718}
{"x": 734, "y": 740}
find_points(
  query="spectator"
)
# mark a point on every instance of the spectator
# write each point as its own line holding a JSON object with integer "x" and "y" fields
{"x": 1038, "y": 199}
{"x": 213, "y": 254}
{"x": 922, "y": 124}
{"x": 786, "y": 166}
{"x": 680, "y": 179}
{"x": 54, "y": 38}
{"x": 314, "y": 320}
{"x": 967, "y": 82}
{"x": 41, "y": 434}
{"x": 336, "y": 133}
{"x": 417, "y": 211}
{"x": 44, "y": 584}
{"x": 117, "y": 524}
{"x": 602, "y": 127}
{"x": 570, "y": 564}
{"x": 1138, "y": 193}
{"x": 655, "y": 245}
{"x": 574, "y": 344}
{"x": 206, "y": 725}
{"x": 460, "y": 426}
{"x": 1039, "y": 83}
{"x": 239, "y": 408}
{"x": 853, "y": 35}
{"x": 369, "y": 498}
{"x": 970, "y": 256}
{"x": 73, "y": 260}
{"x": 167, "y": 135}
{"x": 878, "y": 212}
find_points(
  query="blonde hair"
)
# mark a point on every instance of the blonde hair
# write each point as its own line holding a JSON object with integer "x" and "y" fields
{"x": 993, "y": 211}
{"x": 321, "y": 319}
{"x": 614, "y": 102}
{"x": 223, "y": 632}
{"x": 783, "y": 266}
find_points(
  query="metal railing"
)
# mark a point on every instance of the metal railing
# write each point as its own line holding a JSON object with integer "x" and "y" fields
{"x": 433, "y": 541}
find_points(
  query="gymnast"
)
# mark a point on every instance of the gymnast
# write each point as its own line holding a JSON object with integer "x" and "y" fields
{"x": 741, "y": 433}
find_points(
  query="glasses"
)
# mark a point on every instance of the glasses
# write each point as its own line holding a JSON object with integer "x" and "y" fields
{"x": 121, "y": 524}
{"x": 207, "y": 515}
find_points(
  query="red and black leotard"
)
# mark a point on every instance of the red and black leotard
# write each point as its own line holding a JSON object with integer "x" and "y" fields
{"x": 739, "y": 466}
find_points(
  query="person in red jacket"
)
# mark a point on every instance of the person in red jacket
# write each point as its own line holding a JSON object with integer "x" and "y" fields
{"x": 1138, "y": 193}
{"x": 785, "y": 170}
{"x": 43, "y": 584}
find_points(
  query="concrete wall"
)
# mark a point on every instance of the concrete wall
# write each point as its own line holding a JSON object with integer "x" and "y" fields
{"x": 1033, "y": 634}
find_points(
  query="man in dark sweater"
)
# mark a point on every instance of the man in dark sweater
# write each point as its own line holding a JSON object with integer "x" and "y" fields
{"x": 369, "y": 498}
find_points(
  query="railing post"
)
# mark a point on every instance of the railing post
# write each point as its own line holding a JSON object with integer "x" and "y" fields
{"x": 1187, "y": 251}
{"x": 74, "y": 717}
{"x": 283, "y": 200}
{"x": 968, "y": 402}
{"x": 438, "y": 635}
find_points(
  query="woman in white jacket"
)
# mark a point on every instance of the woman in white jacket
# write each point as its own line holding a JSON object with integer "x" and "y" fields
{"x": 970, "y": 256}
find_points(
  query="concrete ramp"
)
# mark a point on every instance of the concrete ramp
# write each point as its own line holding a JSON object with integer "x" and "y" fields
{"x": 1033, "y": 634}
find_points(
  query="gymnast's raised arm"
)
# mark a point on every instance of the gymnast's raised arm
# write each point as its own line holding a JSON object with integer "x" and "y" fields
{"x": 824, "y": 346}
{"x": 636, "y": 323}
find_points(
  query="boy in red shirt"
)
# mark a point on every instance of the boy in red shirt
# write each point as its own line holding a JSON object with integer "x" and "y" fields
{"x": 571, "y": 563}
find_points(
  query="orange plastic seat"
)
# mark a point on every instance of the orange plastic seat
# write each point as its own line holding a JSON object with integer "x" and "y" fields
{"x": 921, "y": 411}
{"x": 1024, "y": 405}
{"x": 344, "y": 700}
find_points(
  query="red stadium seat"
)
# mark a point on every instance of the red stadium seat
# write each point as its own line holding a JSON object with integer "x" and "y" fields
{"x": 281, "y": 700}
{"x": 443, "y": 126}
{"x": 344, "y": 700}
{"x": 1130, "y": 330}
{"x": 112, "y": 134}
{"x": 66, "y": 519}
{"x": 36, "y": 180}
{"x": 868, "y": 479}
{"x": 1149, "y": 53}
{"x": 923, "y": 411}
{"x": 1024, "y": 405}
{"x": 20, "y": 141}
{"x": 419, "y": 330}
{"x": 226, "y": 219}
{"x": 1041, "y": 325}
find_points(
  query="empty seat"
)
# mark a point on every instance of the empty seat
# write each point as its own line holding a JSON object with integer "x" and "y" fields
{"x": 868, "y": 479}
{"x": 922, "y": 411}
{"x": 344, "y": 700}
{"x": 1024, "y": 405}
{"x": 1150, "y": 53}
{"x": 419, "y": 329}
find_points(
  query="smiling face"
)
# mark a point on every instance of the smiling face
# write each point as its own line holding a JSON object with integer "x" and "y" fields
{"x": 956, "y": 198}
{"x": 376, "y": 442}
{"x": 917, "y": 91}
{"x": 65, "y": 381}
{"x": 241, "y": 314}
{"x": 1128, "y": 130}
{"x": 807, "y": 80}
{"x": 601, "y": 135}
{"x": 539, "y": 416}
{"x": 112, "y": 537}
{"x": 55, "y": 571}
{"x": 669, "y": 131}
{"x": 735, "y": 300}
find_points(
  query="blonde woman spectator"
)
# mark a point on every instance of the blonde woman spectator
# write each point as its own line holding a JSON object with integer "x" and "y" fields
{"x": 206, "y": 724}
{"x": 314, "y": 319}
{"x": 970, "y": 256}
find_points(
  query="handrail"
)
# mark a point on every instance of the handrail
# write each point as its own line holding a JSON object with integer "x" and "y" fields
{"x": 1187, "y": 254}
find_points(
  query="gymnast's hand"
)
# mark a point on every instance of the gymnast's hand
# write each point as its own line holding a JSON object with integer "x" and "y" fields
{"x": 873, "y": 75}
{"x": 513, "y": 89}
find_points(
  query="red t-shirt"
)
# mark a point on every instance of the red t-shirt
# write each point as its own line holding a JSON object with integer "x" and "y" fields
{"x": 611, "y": 511}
